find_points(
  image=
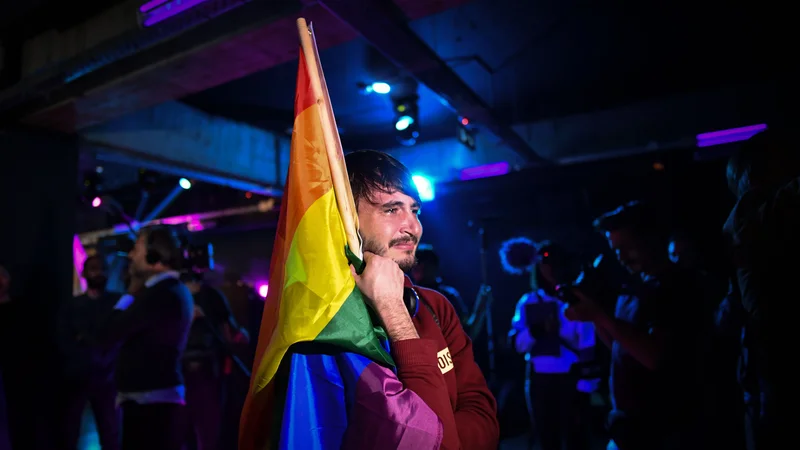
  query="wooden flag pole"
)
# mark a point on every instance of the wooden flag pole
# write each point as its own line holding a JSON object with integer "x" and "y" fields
{"x": 333, "y": 145}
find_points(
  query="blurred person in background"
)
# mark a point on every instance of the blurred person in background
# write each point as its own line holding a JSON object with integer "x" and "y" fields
{"x": 205, "y": 361}
{"x": 27, "y": 416}
{"x": 764, "y": 232}
{"x": 557, "y": 399}
{"x": 151, "y": 324}
{"x": 426, "y": 274}
{"x": 657, "y": 335}
{"x": 6, "y": 359}
{"x": 87, "y": 370}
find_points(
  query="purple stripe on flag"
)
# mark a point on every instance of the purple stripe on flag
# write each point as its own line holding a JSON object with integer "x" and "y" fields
{"x": 386, "y": 415}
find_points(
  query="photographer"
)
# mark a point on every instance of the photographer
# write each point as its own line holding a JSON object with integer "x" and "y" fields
{"x": 657, "y": 337}
{"x": 152, "y": 324}
{"x": 213, "y": 330}
{"x": 557, "y": 399}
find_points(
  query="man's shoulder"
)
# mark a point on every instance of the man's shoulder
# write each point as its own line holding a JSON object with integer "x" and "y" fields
{"x": 171, "y": 288}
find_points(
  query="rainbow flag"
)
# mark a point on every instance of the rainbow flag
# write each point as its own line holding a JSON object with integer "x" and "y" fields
{"x": 323, "y": 375}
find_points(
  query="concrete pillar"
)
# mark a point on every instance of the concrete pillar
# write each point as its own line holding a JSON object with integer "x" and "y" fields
{"x": 38, "y": 182}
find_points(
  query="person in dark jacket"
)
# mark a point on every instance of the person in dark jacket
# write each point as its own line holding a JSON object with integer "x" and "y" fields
{"x": 87, "y": 370}
{"x": 763, "y": 228}
{"x": 152, "y": 325}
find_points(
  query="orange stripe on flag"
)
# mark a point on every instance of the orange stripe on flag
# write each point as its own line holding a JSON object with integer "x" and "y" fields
{"x": 304, "y": 96}
{"x": 309, "y": 178}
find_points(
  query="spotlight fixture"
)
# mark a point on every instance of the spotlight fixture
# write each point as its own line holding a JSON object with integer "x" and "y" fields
{"x": 378, "y": 87}
{"x": 92, "y": 188}
{"x": 406, "y": 120}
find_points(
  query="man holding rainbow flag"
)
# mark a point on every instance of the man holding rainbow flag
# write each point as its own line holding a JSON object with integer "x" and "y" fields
{"x": 352, "y": 355}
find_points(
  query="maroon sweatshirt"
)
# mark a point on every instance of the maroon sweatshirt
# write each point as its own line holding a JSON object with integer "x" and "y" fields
{"x": 440, "y": 368}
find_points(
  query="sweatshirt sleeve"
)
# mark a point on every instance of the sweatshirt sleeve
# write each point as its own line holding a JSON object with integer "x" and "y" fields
{"x": 473, "y": 424}
{"x": 476, "y": 408}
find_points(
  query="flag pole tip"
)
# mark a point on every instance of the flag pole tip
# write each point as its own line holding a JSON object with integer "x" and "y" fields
{"x": 302, "y": 25}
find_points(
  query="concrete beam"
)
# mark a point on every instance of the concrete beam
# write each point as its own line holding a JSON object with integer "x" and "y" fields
{"x": 443, "y": 160}
{"x": 142, "y": 68}
{"x": 382, "y": 24}
{"x": 653, "y": 125}
{"x": 177, "y": 139}
{"x": 644, "y": 127}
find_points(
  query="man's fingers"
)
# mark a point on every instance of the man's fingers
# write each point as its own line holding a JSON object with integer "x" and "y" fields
{"x": 353, "y": 271}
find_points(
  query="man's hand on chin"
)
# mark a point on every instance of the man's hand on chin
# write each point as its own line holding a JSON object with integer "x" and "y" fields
{"x": 382, "y": 283}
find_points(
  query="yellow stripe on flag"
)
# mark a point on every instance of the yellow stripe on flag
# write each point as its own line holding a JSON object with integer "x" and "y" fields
{"x": 317, "y": 283}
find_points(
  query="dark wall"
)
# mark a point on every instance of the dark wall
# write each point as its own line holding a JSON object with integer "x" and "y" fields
{"x": 37, "y": 181}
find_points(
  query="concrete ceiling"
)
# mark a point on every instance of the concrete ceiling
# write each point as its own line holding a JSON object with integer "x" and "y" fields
{"x": 562, "y": 72}
{"x": 548, "y": 64}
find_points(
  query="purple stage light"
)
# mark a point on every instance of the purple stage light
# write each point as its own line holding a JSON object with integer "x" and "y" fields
{"x": 156, "y": 11}
{"x": 485, "y": 171}
{"x": 729, "y": 135}
{"x": 152, "y": 4}
{"x": 78, "y": 258}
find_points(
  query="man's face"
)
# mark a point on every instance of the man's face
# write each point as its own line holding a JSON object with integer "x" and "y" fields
{"x": 94, "y": 274}
{"x": 390, "y": 226}
{"x": 628, "y": 248}
{"x": 137, "y": 256}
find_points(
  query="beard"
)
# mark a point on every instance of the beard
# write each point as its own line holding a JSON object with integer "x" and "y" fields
{"x": 406, "y": 263}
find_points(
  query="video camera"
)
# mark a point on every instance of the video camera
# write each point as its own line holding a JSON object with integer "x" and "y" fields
{"x": 594, "y": 281}
{"x": 197, "y": 258}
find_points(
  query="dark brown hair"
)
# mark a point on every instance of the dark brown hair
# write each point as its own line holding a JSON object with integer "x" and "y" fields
{"x": 371, "y": 171}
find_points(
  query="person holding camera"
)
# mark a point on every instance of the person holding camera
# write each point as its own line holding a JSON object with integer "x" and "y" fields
{"x": 656, "y": 335}
{"x": 152, "y": 324}
{"x": 557, "y": 398}
{"x": 213, "y": 331}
